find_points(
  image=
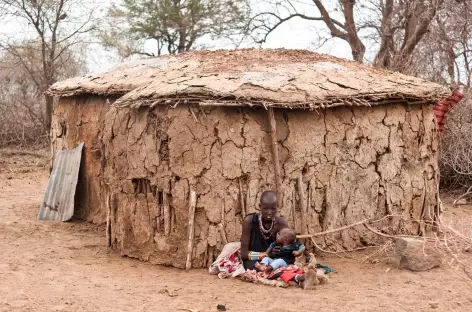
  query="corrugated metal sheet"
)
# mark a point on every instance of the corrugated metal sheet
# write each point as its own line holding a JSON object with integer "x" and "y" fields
{"x": 58, "y": 203}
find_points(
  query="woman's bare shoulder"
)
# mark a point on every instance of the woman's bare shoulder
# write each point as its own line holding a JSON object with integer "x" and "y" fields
{"x": 248, "y": 218}
{"x": 281, "y": 222}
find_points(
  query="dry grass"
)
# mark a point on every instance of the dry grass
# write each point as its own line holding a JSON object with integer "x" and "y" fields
{"x": 17, "y": 160}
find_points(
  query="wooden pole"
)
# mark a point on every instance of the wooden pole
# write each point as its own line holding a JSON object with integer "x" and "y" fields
{"x": 108, "y": 231}
{"x": 302, "y": 200}
{"x": 167, "y": 215}
{"x": 158, "y": 215}
{"x": 222, "y": 233}
{"x": 247, "y": 200}
{"x": 210, "y": 256}
{"x": 275, "y": 154}
{"x": 294, "y": 211}
{"x": 191, "y": 228}
{"x": 241, "y": 199}
{"x": 221, "y": 226}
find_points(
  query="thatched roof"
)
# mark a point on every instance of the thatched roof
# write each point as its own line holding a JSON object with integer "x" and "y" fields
{"x": 255, "y": 77}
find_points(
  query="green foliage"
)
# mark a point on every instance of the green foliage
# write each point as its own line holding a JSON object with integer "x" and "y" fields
{"x": 176, "y": 25}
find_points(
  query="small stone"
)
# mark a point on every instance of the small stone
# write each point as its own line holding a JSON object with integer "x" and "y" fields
{"x": 221, "y": 307}
{"x": 416, "y": 254}
{"x": 434, "y": 305}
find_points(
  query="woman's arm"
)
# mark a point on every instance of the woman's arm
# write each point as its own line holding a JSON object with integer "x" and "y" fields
{"x": 246, "y": 237}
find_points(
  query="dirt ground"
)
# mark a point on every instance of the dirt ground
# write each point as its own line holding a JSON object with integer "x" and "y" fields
{"x": 48, "y": 266}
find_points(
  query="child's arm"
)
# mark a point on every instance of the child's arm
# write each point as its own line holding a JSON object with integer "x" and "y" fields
{"x": 299, "y": 252}
{"x": 269, "y": 250}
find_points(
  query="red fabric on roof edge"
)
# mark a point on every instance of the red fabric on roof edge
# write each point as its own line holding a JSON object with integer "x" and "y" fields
{"x": 444, "y": 107}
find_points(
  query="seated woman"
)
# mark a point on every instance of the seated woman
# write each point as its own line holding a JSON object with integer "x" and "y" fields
{"x": 259, "y": 232}
{"x": 260, "y": 229}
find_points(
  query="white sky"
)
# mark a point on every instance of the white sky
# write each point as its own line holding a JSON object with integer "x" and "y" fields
{"x": 295, "y": 34}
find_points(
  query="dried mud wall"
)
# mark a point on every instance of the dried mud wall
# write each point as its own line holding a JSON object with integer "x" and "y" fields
{"x": 75, "y": 120}
{"x": 356, "y": 163}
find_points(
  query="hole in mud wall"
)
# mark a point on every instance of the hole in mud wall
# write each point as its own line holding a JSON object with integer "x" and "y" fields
{"x": 63, "y": 132}
{"x": 141, "y": 186}
{"x": 164, "y": 149}
{"x": 160, "y": 197}
{"x": 420, "y": 140}
{"x": 262, "y": 160}
{"x": 305, "y": 169}
{"x": 285, "y": 115}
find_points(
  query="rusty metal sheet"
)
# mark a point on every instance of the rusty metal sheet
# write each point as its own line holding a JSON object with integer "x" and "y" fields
{"x": 58, "y": 202}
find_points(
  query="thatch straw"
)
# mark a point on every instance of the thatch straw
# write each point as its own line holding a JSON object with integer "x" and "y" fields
{"x": 266, "y": 78}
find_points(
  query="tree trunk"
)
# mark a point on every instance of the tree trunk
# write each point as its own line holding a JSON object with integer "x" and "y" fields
{"x": 357, "y": 47}
{"x": 49, "y": 108}
{"x": 182, "y": 40}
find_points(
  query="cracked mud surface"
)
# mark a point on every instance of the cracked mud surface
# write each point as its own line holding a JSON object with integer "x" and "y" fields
{"x": 67, "y": 267}
{"x": 356, "y": 163}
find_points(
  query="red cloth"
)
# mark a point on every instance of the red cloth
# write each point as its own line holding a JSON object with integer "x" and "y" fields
{"x": 290, "y": 272}
{"x": 444, "y": 106}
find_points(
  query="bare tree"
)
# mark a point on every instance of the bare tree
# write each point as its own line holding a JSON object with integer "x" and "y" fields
{"x": 56, "y": 26}
{"x": 175, "y": 25}
{"x": 21, "y": 103}
{"x": 397, "y": 26}
{"x": 445, "y": 54}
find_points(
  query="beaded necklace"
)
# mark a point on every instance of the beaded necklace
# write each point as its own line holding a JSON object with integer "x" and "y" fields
{"x": 266, "y": 234}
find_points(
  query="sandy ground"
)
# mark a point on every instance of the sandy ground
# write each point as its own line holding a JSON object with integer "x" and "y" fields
{"x": 48, "y": 266}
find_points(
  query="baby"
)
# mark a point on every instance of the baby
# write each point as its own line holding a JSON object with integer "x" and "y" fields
{"x": 282, "y": 252}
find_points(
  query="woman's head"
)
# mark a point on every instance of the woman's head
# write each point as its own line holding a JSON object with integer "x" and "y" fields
{"x": 268, "y": 205}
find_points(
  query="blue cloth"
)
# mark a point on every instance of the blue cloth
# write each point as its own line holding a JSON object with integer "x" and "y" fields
{"x": 326, "y": 268}
{"x": 286, "y": 252}
{"x": 274, "y": 263}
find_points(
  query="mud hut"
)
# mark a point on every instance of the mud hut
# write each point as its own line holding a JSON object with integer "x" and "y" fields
{"x": 340, "y": 141}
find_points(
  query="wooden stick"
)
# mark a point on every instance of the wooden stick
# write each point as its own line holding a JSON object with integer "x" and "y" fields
{"x": 294, "y": 211}
{"x": 387, "y": 200}
{"x": 158, "y": 214}
{"x": 455, "y": 203}
{"x": 172, "y": 218}
{"x": 191, "y": 228}
{"x": 223, "y": 234}
{"x": 108, "y": 231}
{"x": 334, "y": 230}
{"x": 210, "y": 256}
{"x": 241, "y": 199}
{"x": 309, "y": 196}
{"x": 275, "y": 154}
{"x": 167, "y": 215}
{"x": 205, "y": 259}
{"x": 302, "y": 200}
{"x": 247, "y": 200}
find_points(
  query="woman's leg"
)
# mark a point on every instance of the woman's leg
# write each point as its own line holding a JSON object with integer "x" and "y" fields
{"x": 250, "y": 264}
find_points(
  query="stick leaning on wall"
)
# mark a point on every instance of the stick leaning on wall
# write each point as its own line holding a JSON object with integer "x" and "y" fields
{"x": 275, "y": 154}
{"x": 191, "y": 228}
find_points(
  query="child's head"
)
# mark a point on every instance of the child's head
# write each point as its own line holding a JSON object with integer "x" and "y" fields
{"x": 286, "y": 236}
